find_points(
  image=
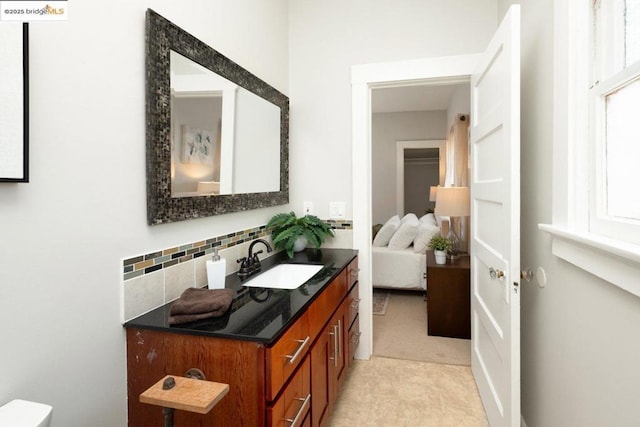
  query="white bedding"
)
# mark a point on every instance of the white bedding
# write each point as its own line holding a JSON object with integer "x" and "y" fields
{"x": 398, "y": 268}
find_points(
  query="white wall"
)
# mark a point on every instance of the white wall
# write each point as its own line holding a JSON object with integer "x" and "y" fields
{"x": 580, "y": 339}
{"x": 386, "y": 129}
{"x": 65, "y": 233}
{"x": 460, "y": 104}
{"x": 326, "y": 39}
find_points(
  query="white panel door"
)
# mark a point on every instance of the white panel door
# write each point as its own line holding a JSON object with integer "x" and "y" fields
{"x": 495, "y": 224}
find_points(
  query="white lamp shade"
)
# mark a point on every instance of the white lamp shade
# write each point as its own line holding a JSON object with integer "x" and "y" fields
{"x": 433, "y": 192}
{"x": 453, "y": 201}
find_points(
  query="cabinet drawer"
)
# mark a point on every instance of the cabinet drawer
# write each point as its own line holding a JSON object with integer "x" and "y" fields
{"x": 354, "y": 304}
{"x": 295, "y": 401}
{"x": 354, "y": 340}
{"x": 285, "y": 355}
{"x": 323, "y": 307}
{"x": 352, "y": 272}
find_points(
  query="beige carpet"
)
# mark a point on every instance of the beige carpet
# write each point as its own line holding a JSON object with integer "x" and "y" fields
{"x": 402, "y": 334}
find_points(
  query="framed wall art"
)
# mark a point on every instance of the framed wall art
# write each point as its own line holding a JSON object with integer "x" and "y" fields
{"x": 14, "y": 102}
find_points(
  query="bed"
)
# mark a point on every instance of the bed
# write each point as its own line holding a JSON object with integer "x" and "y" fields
{"x": 398, "y": 253}
{"x": 398, "y": 268}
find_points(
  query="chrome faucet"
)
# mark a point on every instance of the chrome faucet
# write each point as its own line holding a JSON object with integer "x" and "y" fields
{"x": 251, "y": 263}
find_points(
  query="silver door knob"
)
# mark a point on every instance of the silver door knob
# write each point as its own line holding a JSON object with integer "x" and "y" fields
{"x": 496, "y": 274}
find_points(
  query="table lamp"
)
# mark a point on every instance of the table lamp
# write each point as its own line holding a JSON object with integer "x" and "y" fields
{"x": 454, "y": 203}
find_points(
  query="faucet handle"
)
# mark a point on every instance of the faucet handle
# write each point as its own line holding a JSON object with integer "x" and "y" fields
{"x": 256, "y": 261}
{"x": 244, "y": 267}
{"x": 255, "y": 254}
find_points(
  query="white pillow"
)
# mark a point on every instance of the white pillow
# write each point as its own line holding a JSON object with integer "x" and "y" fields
{"x": 406, "y": 233}
{"x": 409, "y": 217}
{"x": 429, "y": 219}
{"x": 387, "y": 231}
{"x": 425, "y": 232}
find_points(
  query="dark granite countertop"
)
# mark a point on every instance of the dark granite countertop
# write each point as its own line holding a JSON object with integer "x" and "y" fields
{"x": 258, "y": 314}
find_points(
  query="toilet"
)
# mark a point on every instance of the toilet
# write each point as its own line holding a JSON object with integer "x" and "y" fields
{"x": 22, "y": 413}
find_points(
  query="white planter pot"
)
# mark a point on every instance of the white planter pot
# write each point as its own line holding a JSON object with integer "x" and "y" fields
{"x": 441, "y": 257}
{"x": 300, "y": 244}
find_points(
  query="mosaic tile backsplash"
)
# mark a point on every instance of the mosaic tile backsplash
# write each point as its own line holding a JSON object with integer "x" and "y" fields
{"x": 154, "y": 261}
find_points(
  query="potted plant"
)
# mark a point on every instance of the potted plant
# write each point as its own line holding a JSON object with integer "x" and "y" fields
{"x": 293, "y": 234}
{"x": 440, "y": 246}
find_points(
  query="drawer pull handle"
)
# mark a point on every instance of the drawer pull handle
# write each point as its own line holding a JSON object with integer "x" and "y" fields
{"x": 355, "y": 302}
{"x": 303, "y": 343}
{"x": 339, "y": 338}
{"x": 354, "y": 273}
{"x": 356, "y": 338}
{"x": 336, "y": 355}
{"x": 301, "y": 411}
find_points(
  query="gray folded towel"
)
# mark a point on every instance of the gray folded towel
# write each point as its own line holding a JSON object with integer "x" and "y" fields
{"x": 200, "y": 303}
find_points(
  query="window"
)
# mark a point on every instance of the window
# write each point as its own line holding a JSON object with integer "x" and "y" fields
{"x": 615, "y": 132}
{"x": 596, "y": 202}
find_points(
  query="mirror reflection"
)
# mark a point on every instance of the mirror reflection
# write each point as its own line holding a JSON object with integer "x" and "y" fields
{"x": 224, "y": 138}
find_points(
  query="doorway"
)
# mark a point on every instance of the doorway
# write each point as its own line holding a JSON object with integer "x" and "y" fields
{"x": 366, "y": 78}
{"x": 415, "y": 112}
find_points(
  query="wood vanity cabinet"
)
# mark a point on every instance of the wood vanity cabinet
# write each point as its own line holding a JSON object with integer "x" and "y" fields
{"x": 331, "y": 354}
{"x": 296, "y": 378}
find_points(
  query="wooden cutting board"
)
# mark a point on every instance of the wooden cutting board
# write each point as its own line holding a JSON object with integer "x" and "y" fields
{"x": 188, "y": 394}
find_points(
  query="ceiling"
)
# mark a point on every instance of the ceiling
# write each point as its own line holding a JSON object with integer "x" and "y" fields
{"x": 412, "y": 98}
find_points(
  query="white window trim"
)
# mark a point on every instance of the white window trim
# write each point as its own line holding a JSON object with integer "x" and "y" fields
{"x": 612, "y": 260}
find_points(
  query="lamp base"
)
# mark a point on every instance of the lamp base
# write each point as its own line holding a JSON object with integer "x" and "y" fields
{"x": 455, "y": 244}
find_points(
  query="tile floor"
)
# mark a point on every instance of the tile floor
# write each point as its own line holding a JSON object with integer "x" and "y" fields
{"x": 393, "y": 392}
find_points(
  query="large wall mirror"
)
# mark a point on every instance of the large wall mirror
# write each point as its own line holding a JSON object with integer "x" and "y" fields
{"x": 217, "y": 135}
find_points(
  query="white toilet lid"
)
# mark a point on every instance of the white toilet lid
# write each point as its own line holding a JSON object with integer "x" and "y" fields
{"x": 22, "y": 413}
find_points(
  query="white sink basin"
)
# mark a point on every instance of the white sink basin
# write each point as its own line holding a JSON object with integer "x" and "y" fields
{"x": 284, "y": 276}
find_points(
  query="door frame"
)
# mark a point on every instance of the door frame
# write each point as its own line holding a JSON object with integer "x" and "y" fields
{"x": 364, "y": 78}
{"x": 401, "y": 146}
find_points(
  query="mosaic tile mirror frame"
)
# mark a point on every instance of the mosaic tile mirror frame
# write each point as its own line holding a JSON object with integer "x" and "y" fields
{"x": 162, "y": 37}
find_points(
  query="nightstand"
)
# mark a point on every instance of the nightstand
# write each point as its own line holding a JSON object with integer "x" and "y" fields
{"x": 448, "y": 298}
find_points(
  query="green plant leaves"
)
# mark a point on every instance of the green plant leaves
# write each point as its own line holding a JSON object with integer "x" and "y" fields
{"x": 286, "y": 228}
{"x": 439, "y": 243}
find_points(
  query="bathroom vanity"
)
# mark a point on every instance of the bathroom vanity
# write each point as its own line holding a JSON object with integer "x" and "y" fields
{"x": 284, "y": 353}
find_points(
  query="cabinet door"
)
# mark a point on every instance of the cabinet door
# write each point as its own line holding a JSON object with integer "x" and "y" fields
{"x": 340, "y": 334}
{"x": 320, "y": 382}
{"x": 326, "y": 303}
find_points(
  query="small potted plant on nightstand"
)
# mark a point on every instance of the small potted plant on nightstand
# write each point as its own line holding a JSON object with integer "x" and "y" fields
{"x": 440, "y": 246}
{"x": 293, "y": 234}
